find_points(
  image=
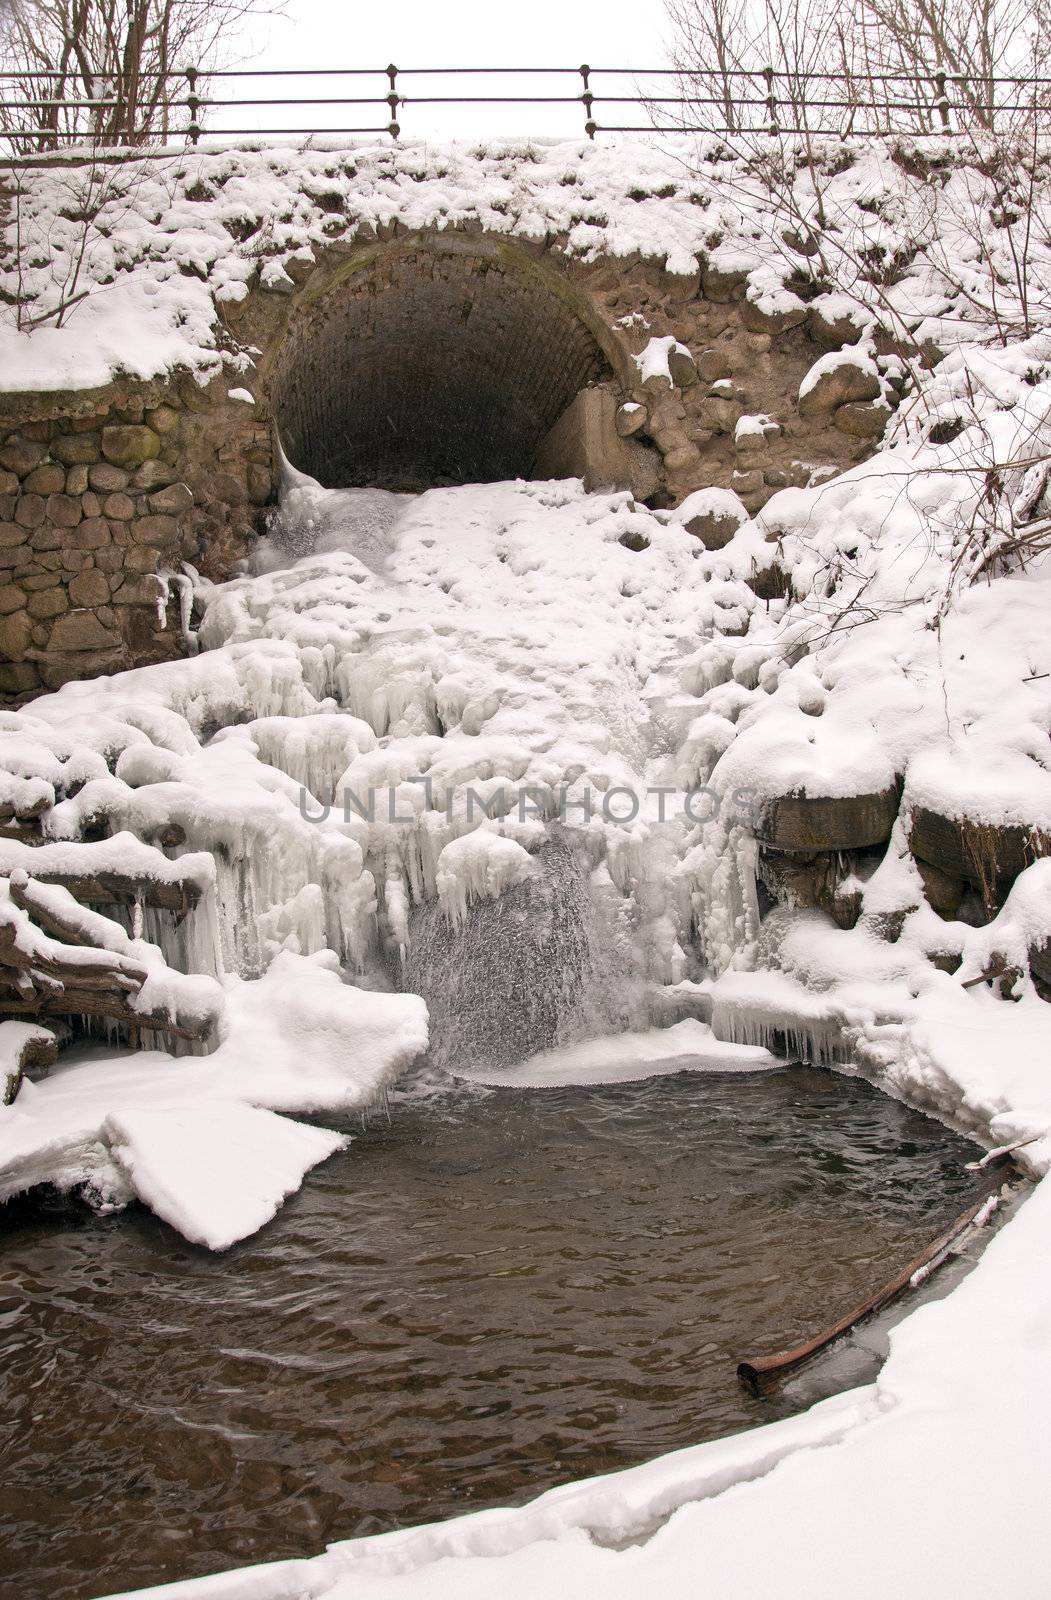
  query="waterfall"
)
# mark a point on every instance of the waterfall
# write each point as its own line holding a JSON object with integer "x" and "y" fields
{"x": 543, "y": 964}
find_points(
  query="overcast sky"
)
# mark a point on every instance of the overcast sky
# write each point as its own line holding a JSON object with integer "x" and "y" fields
{"x": 460, "y": 33}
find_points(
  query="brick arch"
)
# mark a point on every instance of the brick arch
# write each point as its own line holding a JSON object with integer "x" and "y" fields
{"x": 435, "y": 361}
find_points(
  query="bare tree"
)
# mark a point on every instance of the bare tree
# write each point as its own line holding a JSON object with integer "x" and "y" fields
{"x": 108, "y": 71}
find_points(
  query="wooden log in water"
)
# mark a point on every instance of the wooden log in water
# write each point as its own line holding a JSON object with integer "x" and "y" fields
{"x": 762, "y": 1372}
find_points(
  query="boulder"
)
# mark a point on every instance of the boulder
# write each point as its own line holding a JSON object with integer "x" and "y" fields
{"x": 989, "y": 856}
{"x": 713, "y": 365}
{"x": 776, "y": 319}
{"x": 631, "y": 417}
{"x": 16, "y": 635}
{"x": 20, "y": 455}
{"x": 81, "y": 630}
{"x": 847, "y": 822}
{"x": 832, "y": 329}
{"x": 712, "y": 516}
{"x": 836, "y": 380}
{"x": 130, "y": 444}
{"x": 863, "y": 421}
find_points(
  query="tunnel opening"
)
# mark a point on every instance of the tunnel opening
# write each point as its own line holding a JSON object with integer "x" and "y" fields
{"x": 427, "y": 368}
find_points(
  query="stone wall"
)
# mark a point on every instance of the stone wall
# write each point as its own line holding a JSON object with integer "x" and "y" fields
{"x": 97, "y": 502}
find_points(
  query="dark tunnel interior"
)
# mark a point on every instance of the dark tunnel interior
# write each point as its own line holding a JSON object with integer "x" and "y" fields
{"x": 428, "y": 369}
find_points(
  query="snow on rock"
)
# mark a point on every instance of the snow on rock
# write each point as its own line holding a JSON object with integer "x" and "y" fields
{"x": 666, "y": 359}
{"x": 839, "y": 377}
{"x": 196, "y": 1138}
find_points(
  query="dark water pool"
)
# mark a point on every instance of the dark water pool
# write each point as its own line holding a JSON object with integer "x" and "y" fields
{"x": 492, "y": 1293}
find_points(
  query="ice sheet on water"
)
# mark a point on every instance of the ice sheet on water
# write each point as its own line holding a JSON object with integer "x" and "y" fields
{"x": 687, "y": 1046}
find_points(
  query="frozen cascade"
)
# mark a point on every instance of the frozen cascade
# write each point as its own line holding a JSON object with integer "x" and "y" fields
{"x": 539, "y": 966}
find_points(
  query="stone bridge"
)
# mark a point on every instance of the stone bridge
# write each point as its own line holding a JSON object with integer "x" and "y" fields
{"x": 404, "y": 360}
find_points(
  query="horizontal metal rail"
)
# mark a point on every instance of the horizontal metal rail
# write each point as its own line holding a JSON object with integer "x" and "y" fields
{"x": 741, "y": 101}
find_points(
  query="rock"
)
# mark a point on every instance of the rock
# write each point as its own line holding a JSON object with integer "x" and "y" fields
{"x": 770, "y": 583}
{"x": 8, "y": 482}
{"x": 853, "y": 822}
{"x": 11, "y": 535}
{"x": 142, "y": 591}
{"x": 12, "y": 598}
{"x": 76, "y": 449}
{"x": 89, "y": 589}
{"x": 81, "y": 630}
{"x": 119, "y": 506}
{"x": 63, "y": 510}
{"x": 712, "y": 365}
{"x": 1040, "y": 962}
{"x": 863, "y": 421}
{"x": 21, "y": 455}
{"x": 776, "y": 320}
{"x": 260, "y": 483}
{"x": 138, "y": 558}
{"x": 943, "y": 893}
{"x": 48, "y": 603}
{"x": 67, "y": 667}
{"x": 836, "y": 380}
{"x": 682, "y": 367}
{"x": 16, "y": 635}
{"x": 30, "y": 511}
{"x": 113, "y": 559}
{"x": 719, "y": 414}
{"x": 989, "y": 856}
{"x": 713, "y": 516}
{"x": 747, "y": 482}
{"x": 173, "y": 500}
{"x": 105, "y": 477}
{"x": 92, "y": 533}
{"x": 631, "y": 417}
{"x": 833, "y": 330}
{"x": 130, "y": 444}
{"x": 18, "y": 677}
{"x": 723, "y": 286}
{"x": 163, "y": 419}
{"x": 77, "y": 478}
{"x": 159, "y": 530}
{"x": 154, "y": 475}
{"x": 48, "y": 478}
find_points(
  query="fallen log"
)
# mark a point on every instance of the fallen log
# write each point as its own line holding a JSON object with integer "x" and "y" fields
{"x": 108, "y": 1007}
{"x": 22, "y": 1048}
{"x": 761, "y": 1373}
{"x": 58, "y": 959}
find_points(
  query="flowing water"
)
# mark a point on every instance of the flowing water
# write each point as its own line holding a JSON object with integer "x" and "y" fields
{"x": 488, "y": 1294}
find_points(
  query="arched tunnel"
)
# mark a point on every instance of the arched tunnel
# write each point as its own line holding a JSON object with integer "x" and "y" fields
{"x": 427, "y": 367}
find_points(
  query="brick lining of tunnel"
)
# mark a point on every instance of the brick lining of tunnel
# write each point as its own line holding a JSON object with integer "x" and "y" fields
{"x": 427, "y": 370}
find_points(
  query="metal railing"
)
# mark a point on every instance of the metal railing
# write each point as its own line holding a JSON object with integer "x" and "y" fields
{"x": 766, "y": 100}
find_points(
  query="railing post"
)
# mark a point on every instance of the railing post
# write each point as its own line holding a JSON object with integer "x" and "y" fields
{"x": 393, "y": 126}
{"x": 771, "y": 102}
{"x": 942, "y": 102}
{"x": 589, "y": 99}
{"x": 193, "y": 104}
